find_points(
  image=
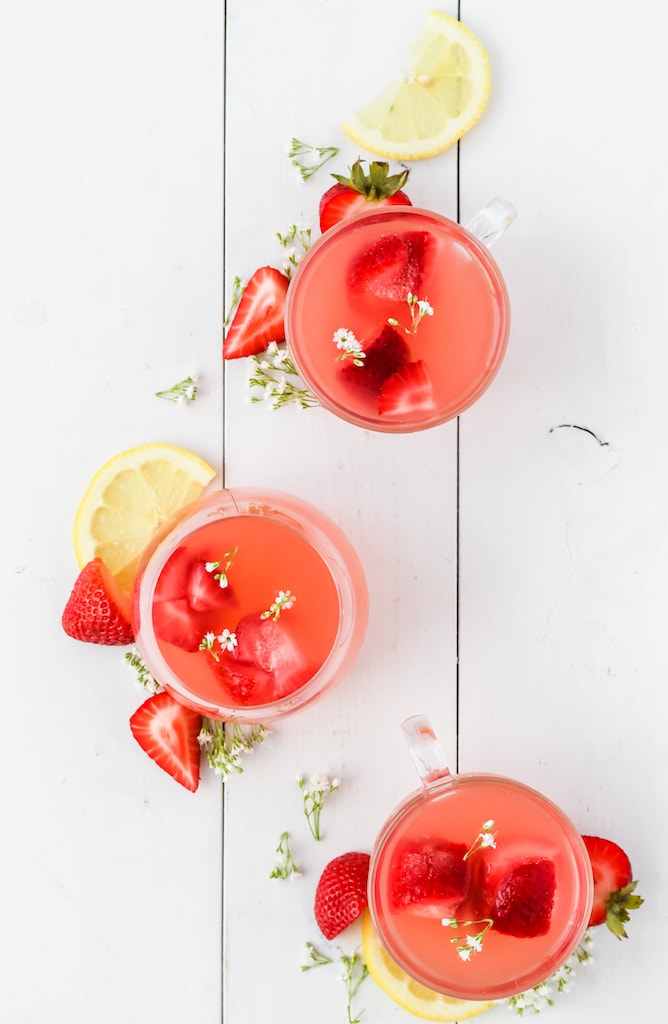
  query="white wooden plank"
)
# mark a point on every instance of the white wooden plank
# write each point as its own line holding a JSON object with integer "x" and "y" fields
{"x": 395, "y": 497}
{"x": 563, "y": 546}
{"x": 111, "y": 269}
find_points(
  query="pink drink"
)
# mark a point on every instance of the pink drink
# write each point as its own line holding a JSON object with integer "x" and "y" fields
{"x": 249, "y": 605}
{"x": 359, "y": 275}
{"x": 533, "y": 840}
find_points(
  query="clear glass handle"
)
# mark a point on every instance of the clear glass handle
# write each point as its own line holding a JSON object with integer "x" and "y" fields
{"x": 425, "y": 749}
{"x": 489, "y": 223}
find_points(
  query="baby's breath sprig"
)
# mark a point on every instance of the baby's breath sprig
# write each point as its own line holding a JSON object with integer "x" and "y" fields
{"x": 225, "y": 743}
{"x": 237, "y": 291}
{"x": 467, "y": 945}
{"x": 353, "y": 974}
{"x": 285, "y": 866}
{"x": 144, "y": 678}
{"x": 485, "y": 838}
{"x": 225, "y": 641}
{"x": 283, "y": 601}
{"x": 184, "y": 391}
{"x": 541, "y": 996}
{"x": 295, "y": 243}
{"x": 418, "y": 308}
{"x": 349, "y": 347}
{"x": 308, "y": 159}
{"x": 220, "y": 575}
{"x": 316, "y": 793}
{"x": 273, "y": 378}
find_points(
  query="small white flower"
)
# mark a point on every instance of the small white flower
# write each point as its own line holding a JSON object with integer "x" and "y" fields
{"x": 487, "y": 839}
{"x": 227, "y": 640}
{"x": 448, "y": 922}
{"x": 465, "y": 953}
{"x": 425, "y": 308}
{"x": 209, "y": 638}
{"x": 475, "y": 942}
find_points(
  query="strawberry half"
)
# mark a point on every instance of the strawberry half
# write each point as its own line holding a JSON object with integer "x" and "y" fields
{"x": 382, "y": 358}
{"x": 408, "y": 391}
{"x": 98, "y": 611}
{"x": 614, "y": 890}
{"x": 359, "y": 192}
{"x": 173, "y": 617}
{"x": 523, "y": 899}
{"x": 167, "y": 731}
{"x": 205, "y": 593}
{"x": 258, "y": 319}
{"x": 430, "y": 879}
{"x": 392, "y": 266}
{"x": 341, "y": 895}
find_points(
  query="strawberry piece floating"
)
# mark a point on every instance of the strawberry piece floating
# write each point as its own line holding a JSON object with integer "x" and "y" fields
{"x": 167, "y": 731}
{"x": 265, "y": 664}
{"x": 392, "y": 267}
{"x": 386, "y": 354}
{"x": 523, "y": 899}
{"x": 408, "y": 391}
{"x": 98, "y": 611}
{"x": 360, "y": 192}
{"x": 614, "y": 888}
{"x": 341, "y": 893}
{"x": 430, "y": 879}
{"x": 258, "y": 319}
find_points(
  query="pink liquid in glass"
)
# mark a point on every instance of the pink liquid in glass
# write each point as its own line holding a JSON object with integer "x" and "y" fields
{"x": 527, "y": 828}
{"x": 461, "y": 345}
{"x": 285, "y": 626}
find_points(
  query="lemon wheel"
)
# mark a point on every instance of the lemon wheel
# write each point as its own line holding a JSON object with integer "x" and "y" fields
{"x": 404, "y": 990}
{"x": 442, "y": 94}
{"x": 129, "y": 498}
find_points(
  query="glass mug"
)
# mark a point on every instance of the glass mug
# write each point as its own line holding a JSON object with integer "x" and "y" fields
{"x": 398, "y": 319}
{"x": 249, "y": 605}
{"x": 479, "y": 887}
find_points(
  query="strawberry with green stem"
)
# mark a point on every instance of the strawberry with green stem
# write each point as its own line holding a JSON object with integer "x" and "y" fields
{"x": 614, "y": 887}
{"x": 362, "y": 191}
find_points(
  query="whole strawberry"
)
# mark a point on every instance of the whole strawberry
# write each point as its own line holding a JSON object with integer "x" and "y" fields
{"x": 360, "y": 192}
{"x": 97, "y": 611}
{"x": 614, "y": 888}
{"x": 341, "y": 894}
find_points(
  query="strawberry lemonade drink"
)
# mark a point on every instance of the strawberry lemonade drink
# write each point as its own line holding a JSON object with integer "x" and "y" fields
{"x": 479, "y": 887}
{"x": 249, "y": 605}
{"x": 398, "y": 319}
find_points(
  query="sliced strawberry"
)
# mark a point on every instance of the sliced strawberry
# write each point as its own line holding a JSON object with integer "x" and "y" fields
{"x": 431, "y": 879}
{"x": 174, "y": 621}
{"x": 408, "y": 391}
{"x": 361, "y": 192}
{"x": 98, "y": 611}
{"x": 523, "y": 899}
{"x": 392, "y": 266}
{"x": 205, "y": 593}
{"x": 172, "y": 583}
{"x": 383, "y": 357}
{"x": 265, "y": 664}
{"x": 167, "y": 731}
{"x": 258, "y": 319}
{"x": 614, "y": 890}
{"x": 341, "y": 895}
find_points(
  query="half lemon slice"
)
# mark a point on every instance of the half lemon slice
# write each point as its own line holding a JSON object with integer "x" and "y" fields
{"x": 129, "y": 498}
{"x": 441, "y": 96}
{"x": 404, "y": 990}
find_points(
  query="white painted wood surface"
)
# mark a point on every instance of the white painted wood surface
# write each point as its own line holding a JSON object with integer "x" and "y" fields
{"x": 134, "y": 159}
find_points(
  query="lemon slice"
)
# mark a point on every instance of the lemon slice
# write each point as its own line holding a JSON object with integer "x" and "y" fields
{"x": 404, "y": 990}
{"x": 442, "y": 95}
{"x": 129, "y": 497}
